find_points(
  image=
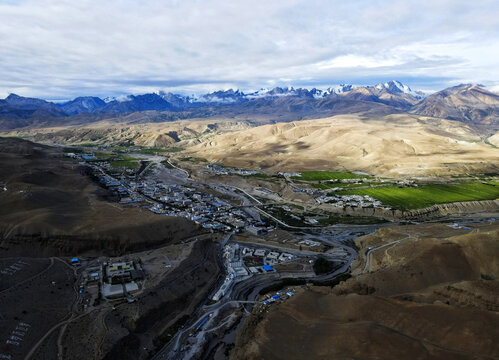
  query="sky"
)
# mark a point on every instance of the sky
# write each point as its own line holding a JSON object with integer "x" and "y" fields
{"x": 59, "y": 49}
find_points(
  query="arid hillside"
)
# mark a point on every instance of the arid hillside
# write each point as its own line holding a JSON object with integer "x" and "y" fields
{"x": 129, "y": 130}
{"x": 48, "y": 205}
{"x": 393, "y": 145}
{"x": 430, "y": 292}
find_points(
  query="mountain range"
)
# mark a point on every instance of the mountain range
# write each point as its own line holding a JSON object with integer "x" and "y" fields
{"x": 468, "y": 103}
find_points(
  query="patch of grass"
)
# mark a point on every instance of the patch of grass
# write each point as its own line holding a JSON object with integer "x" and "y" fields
{"x": 194, "y": 159}
{"x": 158, "y": 150}
{"x": 407, "y": 198}
{"x": 338, "y": 185}
{"x": 124, "y": 164}
{"x": 101, "y": 155}
{"x": 122, "y": 146}
{"x": 323, "y": 266}
{"x": 328, "y": 175}
{"x": 127, "y": 158}
{"x": 72, "y": 150}
{"x": 174, "y": 149}
{"x": 284, "y": 216}
{"x": 167, "y": 164}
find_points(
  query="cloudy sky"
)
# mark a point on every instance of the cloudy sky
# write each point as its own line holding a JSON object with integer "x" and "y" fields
{"x": 57, "y": 49}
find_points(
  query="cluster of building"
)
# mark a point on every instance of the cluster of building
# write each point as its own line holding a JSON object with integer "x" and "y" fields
{"x": 310, "y": 243}
{"x": 236, "y": 270}
{"x": 219, "y": 170}
{"x": 234, "y": 261}
{"x": 176, "y": 200}
{"x": 280, "y": 295}
{"x": 115, "y": 279}
{"x": 458, "y": 226}
{"x": 350, "y": 201}
{"x": 289, "y": 174}
{"x": 268, "y": 257}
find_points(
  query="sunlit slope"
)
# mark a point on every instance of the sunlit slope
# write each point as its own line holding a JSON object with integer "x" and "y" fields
{"x": 393, "y": 145}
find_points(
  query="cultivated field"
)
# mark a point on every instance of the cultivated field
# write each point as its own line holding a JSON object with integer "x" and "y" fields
{"x": 406, "y": 198}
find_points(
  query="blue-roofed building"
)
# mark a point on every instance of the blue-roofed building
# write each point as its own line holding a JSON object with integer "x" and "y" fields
{"x": 276, "y": 297}
{"x": 268, "y": 268}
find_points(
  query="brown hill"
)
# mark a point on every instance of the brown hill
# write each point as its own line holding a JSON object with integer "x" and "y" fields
{"x": 468, "y": 103}
{"x": 393, "y": 145}
{"x": 51, "y": 207}
{"x": 432, "y": 295}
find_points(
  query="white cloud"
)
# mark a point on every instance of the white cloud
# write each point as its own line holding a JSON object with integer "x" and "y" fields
{"x": 355, "y": 61}
{"x": 65, "y": 48}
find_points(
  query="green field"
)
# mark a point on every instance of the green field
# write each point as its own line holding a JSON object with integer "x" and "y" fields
{"x": 124, "y": 164}
{"x": 427, "y": 195}
{"x": 126, "y": 158}
{"x": 344, "y": 185}
{"x": 327, "y": 175}
{"x": 101, "y": 155}
{"x": 158, "y": 150}
{"x": 193, "y": 159}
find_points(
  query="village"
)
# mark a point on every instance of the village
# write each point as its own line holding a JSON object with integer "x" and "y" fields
{"x": 177, "y": 200}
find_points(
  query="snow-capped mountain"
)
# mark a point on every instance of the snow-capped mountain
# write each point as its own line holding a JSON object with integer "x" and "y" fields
{"x": 395, "y": 86}
{"x": 392, "y": 93}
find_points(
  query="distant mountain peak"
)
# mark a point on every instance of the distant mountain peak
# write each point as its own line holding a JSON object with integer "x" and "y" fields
{"x": 397, "y": 87}
{"x": 82, "y": 104}
{"x": 13, "y": 96}
{"x": 393, "y": 93}
{"x": 463, "y": 102}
